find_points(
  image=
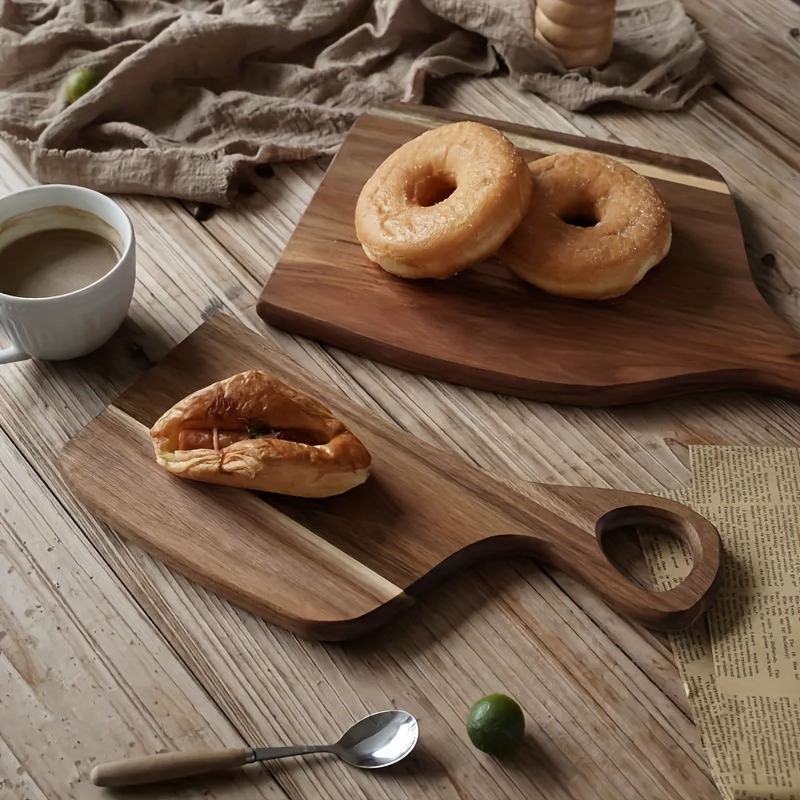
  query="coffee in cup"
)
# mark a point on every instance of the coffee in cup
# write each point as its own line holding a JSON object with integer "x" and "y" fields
{"x": 56, "y": 250}
{"x": 67, "y": 271}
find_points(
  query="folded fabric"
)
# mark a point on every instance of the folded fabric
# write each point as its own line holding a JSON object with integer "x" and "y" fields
{"x": 195, "y": 92}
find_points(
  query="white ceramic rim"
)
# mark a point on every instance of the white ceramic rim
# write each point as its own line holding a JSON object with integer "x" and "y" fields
{"x": 126, "y": 233}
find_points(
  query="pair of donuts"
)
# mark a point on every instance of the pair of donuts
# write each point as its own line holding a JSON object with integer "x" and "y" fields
{"x": 576, "y": 224}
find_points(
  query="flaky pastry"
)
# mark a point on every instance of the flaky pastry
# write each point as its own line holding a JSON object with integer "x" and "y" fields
{"x": 252, "y": 431}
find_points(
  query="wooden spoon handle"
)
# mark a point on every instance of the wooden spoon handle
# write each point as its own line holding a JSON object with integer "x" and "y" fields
{"x": 166, "y": 766}
{"x": 578, "y": 551}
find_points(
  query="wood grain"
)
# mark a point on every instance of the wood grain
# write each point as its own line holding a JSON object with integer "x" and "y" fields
{"x": 167, "y": 766}
{"x": 696, "y": 322}
{"x": 341, "y": 567}
{"x": 753, "y": 51}
{"x": 84, "y": 673}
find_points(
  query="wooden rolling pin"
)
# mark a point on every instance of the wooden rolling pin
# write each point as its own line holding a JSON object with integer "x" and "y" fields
{"x": 579, "y": 32}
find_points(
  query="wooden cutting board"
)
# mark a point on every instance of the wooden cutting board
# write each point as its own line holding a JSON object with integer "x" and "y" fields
{"x": 339, "y": 567}
{"x": 696, "y": 322}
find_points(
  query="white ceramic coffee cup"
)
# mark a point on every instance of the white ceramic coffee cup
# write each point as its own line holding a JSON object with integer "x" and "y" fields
{"x": 67, "y": 325}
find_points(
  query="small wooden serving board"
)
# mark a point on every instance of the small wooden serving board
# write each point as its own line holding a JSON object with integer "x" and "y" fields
{"x": 339, "y": 567}
{"x": 696, "y": 322}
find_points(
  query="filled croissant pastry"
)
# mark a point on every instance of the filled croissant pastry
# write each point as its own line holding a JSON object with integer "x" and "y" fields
{"x": 253, "y": 431}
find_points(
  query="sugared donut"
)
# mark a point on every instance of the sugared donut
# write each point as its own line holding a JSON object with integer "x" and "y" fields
{"x": 442, "y": 201}
{"x": 595, "y": 229}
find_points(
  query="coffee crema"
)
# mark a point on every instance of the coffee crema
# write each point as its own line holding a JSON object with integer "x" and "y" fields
{"x": 55, "y": 261}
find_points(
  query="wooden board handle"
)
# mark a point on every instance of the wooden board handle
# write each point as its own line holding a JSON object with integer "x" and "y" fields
{"x": 167, "y": 766}
{"x": 579, "y": 552}
{"x": 565, "y": 526}
{"x": 780, "y": 375}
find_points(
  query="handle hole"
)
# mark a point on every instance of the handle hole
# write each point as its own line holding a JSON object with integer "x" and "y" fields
{"x": 647, "y": 545}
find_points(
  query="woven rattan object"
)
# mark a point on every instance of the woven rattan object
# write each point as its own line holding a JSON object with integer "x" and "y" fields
{"x": 579, "y": 32}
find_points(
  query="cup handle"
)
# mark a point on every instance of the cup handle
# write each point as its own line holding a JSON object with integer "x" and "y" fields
{"x": 14, "y": 351}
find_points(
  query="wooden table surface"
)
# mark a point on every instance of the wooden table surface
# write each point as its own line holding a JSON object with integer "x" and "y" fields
{"x": 105, "y": 653}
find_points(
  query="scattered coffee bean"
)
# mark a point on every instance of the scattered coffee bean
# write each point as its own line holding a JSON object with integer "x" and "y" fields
{"x": 139, "y": 356}
{"x": 201, "y": 211}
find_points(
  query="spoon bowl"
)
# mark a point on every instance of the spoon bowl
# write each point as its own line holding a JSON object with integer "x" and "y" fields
{"x": 379, "y": 740}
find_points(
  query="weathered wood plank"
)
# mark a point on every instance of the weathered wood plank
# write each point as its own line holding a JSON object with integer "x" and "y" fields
{"x": 753, "y": 50}
{"x": 85, "y": 675}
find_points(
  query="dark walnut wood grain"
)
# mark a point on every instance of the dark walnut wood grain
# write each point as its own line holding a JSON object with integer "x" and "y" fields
{"x": 696, "y": 322}
{"x": 338, "y": 568}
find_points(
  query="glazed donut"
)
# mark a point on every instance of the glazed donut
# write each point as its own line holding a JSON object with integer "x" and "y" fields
{"x": 442, "y": 201}
{"x": 596, "y": 228}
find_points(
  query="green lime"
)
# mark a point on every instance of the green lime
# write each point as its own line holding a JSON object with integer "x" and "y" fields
{"x": 496, "y": 725}
{"x": 80, "y": 81}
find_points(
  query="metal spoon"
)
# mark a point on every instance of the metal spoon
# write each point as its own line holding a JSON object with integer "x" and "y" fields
{"x": 378, "y": 740}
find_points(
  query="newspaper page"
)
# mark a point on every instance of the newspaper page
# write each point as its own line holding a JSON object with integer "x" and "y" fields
{"x": 741, "y": 664}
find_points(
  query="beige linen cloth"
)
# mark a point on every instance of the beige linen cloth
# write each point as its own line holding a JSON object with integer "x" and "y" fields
{"x": 195, "y": 92}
